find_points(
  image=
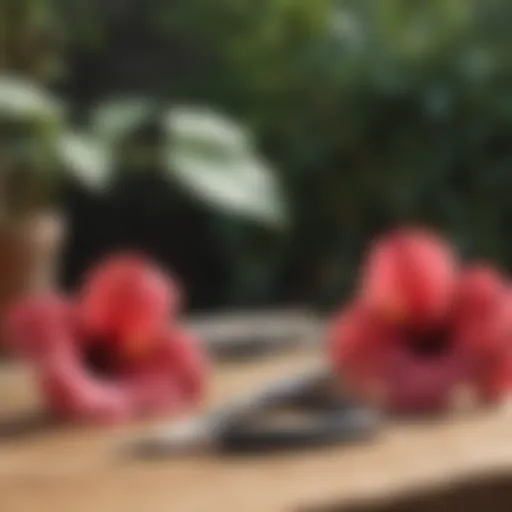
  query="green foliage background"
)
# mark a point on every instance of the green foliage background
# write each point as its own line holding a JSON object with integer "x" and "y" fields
{"x": 374, "y": 112}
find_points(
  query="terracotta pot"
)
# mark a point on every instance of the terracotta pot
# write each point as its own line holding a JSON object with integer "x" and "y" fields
{"x": 30, "y": 252}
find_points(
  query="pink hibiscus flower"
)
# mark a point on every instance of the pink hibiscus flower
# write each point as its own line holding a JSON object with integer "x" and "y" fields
{"x": 116, "y": 350}
{"x": 421, "y": 326}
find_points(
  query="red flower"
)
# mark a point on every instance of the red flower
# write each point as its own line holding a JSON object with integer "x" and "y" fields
{"x": 117, "y": 352}
{"x": 420, "y": 327}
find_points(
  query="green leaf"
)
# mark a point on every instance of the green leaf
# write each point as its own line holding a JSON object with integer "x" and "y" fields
{"x": 117, "y": 119}
{"x": 207, "y": 126}
{"x": 21, "y": 100}
{"x": 211, "y": 157}
{"x": 90, "y": 160}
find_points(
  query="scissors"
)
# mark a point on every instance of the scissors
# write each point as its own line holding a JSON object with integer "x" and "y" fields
{"x": 247, "y": 425}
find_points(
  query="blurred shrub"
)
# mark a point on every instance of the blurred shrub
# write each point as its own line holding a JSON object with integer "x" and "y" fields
{"x": 375, "y": 112}
{"x": 30, "y": 39}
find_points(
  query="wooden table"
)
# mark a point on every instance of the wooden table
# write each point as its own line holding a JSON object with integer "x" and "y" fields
{"x": 75, "y": 469}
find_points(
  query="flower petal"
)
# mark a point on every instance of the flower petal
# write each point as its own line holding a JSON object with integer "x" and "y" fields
{"x": 409, "y": 276}
{"x": 483, "y": 329}
{"x": 480, "y": 291}
{"x": 174, "y": 378}
{"x": 128, "y": 299}
{"x": 37, "y": 326}
{"x": 358, "y": 349}
{"x": 73, "y": 394}
{"x": 189, "y": 362}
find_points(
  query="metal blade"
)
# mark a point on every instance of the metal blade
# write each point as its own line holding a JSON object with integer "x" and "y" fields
{"x": 205, "y": 432}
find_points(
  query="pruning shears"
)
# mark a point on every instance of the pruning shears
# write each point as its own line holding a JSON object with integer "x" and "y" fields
{"x": 298, "y": 412}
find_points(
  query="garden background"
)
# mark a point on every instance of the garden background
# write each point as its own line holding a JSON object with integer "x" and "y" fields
{"x": 373, "y": 113}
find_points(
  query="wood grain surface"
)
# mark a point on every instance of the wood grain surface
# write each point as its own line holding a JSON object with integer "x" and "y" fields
{"x": 46, "y": 468}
